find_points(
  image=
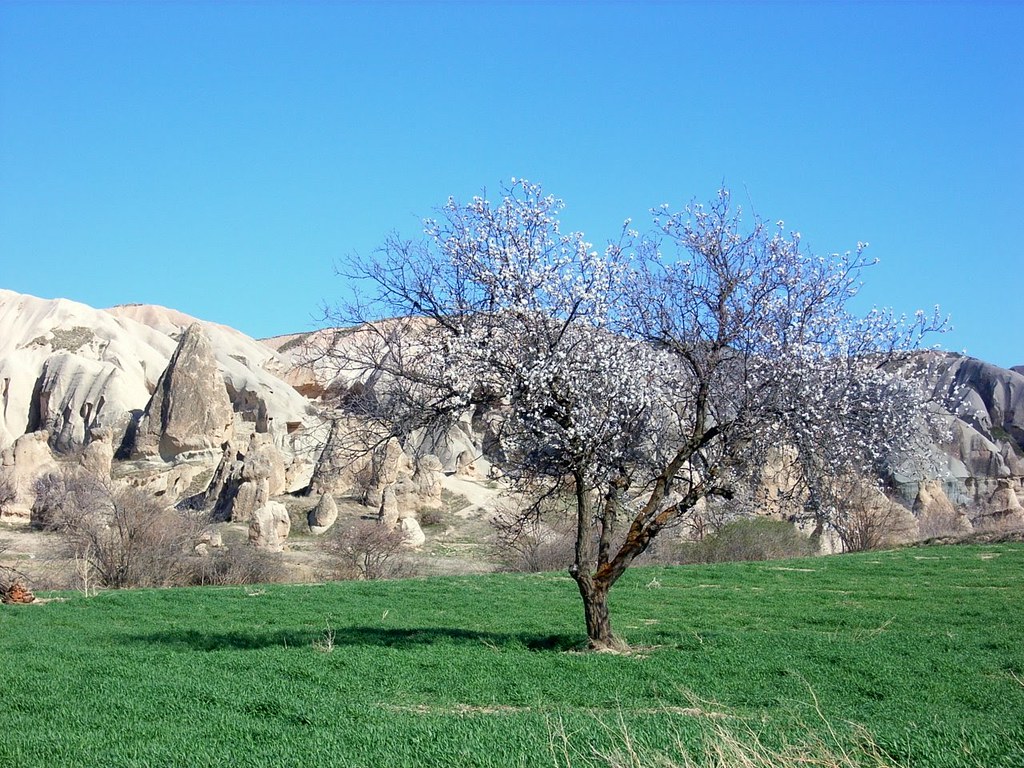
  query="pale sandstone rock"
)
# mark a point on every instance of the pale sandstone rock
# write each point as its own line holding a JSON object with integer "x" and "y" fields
{"x": 98, "y": 455}
{"x": 26, "y": 461}
{"x": 269, "y": 527}
{"x": 389, "y": 513}
{"x": 190, "y": 410}
{"x": 344, "y": 462}
{"x": 1004, "y": 502}
{"x": 414, "y": 536}
{"x": 428, "y": 479}
{"x": 323, "y": 515}
{"x": 253, "y": 375}
{"x": 249, "y": 497}
{"x": 936, "y": 514}
{"x": 244, "y": 483}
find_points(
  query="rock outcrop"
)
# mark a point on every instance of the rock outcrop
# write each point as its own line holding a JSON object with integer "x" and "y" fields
{"x": 244, "y": 482}
{"x": 98, "y": 455}
{"x": 67, "y": 369}
{"x": 190, "y": 411}
{"x": 323, "y": 515}
{"x": 23, "y": 464}
{"x": 414, "y": 536}
{"x": 269, "y": 527}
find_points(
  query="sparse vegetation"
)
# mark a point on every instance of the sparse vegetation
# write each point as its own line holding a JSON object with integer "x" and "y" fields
{"x": 368, "y": 550}
{"x": 8, "y": 490}
{"x": 1001, "y": 434}
{"x": 119, "y": 536}
{"x": 66, "y": 339}
{"x": 293, "y": 343}
{"x": 750, "y": 539}
{"x": 238, "y": 564}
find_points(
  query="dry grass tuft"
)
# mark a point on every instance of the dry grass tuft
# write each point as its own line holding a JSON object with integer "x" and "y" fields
{"x": 725, "y": 742}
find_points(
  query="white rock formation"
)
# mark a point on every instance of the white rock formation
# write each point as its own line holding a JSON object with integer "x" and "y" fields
{"x": 25, "y": 462}
{"x": 414, "y": 536}
{"x": 252, "y": 374}
{"x": 323, "y": 515}
{"x": 68, "y": 368}
{"x": 269, "y": 527}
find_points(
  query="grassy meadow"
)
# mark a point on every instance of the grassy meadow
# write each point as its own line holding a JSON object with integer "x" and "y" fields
{"x": 911, "y": 657}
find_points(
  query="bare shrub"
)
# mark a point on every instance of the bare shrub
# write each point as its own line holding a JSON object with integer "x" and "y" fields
{"x": 543, "y": 541}
{"x": 238, "y": 565}
{"x": 757, "y": 538}
{"x": 118, "y": 536}
{"x": 431, "y": 518}
{"x": 368, "y": 550}
{"x": 8, "y": 491}
{"x": 862, "y": 517}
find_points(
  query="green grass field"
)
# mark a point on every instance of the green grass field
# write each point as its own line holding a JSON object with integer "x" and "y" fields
{"x": 920, "y": 647}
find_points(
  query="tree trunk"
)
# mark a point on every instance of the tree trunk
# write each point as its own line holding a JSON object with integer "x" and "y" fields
{"x": 595, "y": 610}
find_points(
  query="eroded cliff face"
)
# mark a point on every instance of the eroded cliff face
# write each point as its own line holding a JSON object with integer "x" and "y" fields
{"x": 67, "y": 369}
{"x": 146, "y": 383}
{"x": 161, "y": 387}
{"x": 978, "y": 466}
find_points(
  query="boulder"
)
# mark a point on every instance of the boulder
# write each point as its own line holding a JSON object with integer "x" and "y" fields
{"x": 16, "y": 593}
{"x": 190, "y": 410}
{"x": 25, "y": 462}
{"x": 323, "y": 515}
{"x": 98, "y": 455}
{"x": 414, "y": 536}
{"x": 269, "y": 527}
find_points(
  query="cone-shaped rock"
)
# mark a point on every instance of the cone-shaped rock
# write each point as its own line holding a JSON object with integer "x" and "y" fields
{"x": 323, "y": 515}
{"x": 190, "y": 409}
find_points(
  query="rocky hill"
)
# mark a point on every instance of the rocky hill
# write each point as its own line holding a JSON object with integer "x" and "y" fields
{"x": 199, "y": 412}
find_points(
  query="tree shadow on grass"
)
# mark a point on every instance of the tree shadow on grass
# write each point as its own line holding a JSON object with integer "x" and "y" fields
{"x": 248, "y": 640}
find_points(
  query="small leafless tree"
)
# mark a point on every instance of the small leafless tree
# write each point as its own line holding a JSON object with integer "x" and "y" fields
{"x": 121, "y": 536}
{"x": 542, "y": 541}
{"x": 861, "y": 516}
{"x": 368, "y": 550}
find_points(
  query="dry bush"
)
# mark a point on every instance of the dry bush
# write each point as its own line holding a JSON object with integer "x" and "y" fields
{"x": 431, "y": 518}
{"x": 368, "y": 550}
{"x": 237, "y": 565}
{"x": 118, "y": 536}
{"x": 8, "y": 490}
{"x": 540, "y": 538}
{"x": 758, "y": 538}
{"x": 862, "y": 517}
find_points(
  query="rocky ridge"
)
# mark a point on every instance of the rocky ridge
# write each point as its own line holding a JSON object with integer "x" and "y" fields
{"x": 203, "y": 415}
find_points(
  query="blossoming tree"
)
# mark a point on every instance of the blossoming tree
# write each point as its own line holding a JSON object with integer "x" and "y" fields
{"x": 640, "y": 381}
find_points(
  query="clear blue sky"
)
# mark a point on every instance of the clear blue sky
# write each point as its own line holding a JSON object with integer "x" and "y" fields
{"x": 217, "y": 157}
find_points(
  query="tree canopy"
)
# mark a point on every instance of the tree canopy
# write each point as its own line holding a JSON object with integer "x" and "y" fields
{"x": 640, "y": 380}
